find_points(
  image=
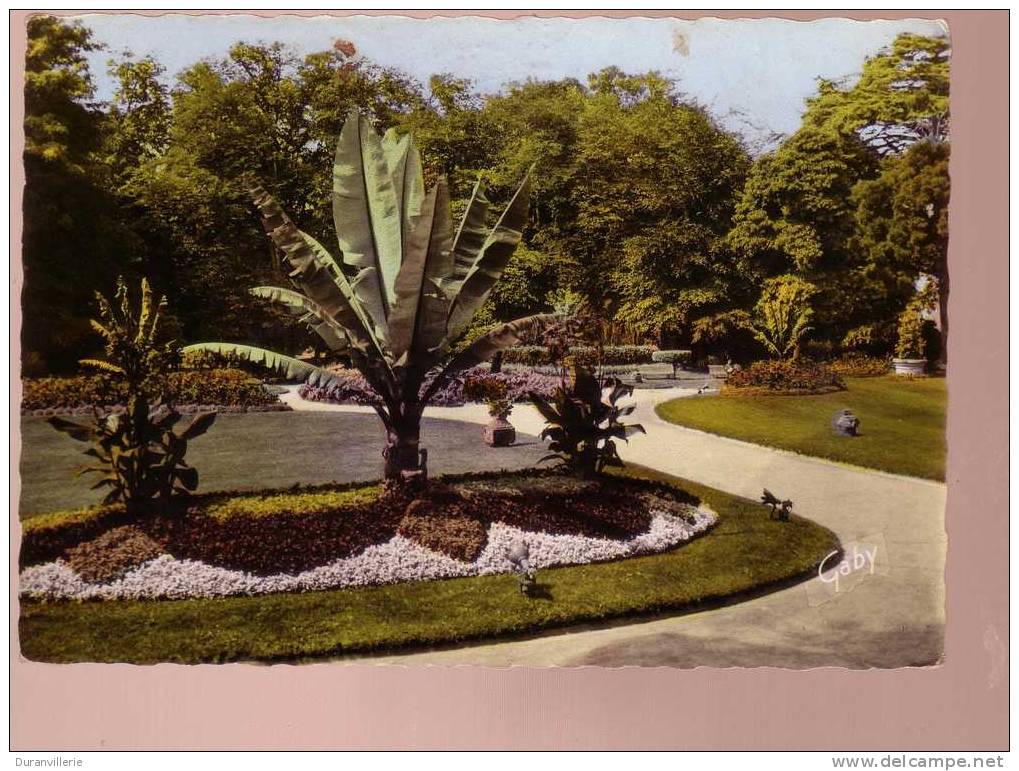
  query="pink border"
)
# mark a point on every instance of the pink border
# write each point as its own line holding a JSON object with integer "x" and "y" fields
{"x": 960, "y": 705}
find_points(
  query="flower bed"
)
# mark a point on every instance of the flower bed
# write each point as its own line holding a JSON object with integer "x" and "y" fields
{"x": 350, "y": 387}
{"x": 228, "y": 390}
{"x": 781, "y": 377}
{"x": 326, "y": 539}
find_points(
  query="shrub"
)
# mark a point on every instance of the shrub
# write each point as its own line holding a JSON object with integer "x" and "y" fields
{"x": 71, "y": 392}
{"x": 582, "y": 428}
{"x": 782, "y": 315}
{"x": 529, "y": 355}
{"x": 859, "y": 365}
{"x": 137, "y": 454}
{"x": 876, "y": 339}
{"x": 457, "y": 535}
{"x": 220, "y": 387}
{"x": 784, "y": 376}
{"x": 912, "y": 342}
{"x": 225, "y": 507}
{"x": 227, "y": 387}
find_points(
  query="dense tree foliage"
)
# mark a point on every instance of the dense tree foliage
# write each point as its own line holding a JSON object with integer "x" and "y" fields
{"x": 73, "y": 240}
{"x": 821, "y": 205}
{"x": 642, "y": 205}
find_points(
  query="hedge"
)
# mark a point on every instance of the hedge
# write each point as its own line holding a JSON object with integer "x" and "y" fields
{"x": 538, "y": 355}
{"x": 221, "y": 387}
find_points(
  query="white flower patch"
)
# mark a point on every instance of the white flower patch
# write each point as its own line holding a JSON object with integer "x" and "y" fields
{"x": 396, "y": 561}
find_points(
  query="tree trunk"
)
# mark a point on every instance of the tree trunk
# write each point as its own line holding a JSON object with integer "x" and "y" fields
{"x": 402, "y": 452}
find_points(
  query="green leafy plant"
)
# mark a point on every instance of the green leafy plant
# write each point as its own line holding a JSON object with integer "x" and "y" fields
{"x": 781, "y": 376}
{"x": 407, "y": 287}
{"x": 494, "y": 393}
{"x": 860, "y": 365}
{"x": 139, "y": 455}
{"x": 583, "y": 428}
{"x": 912, "y": 343}
{"x": 782, "y": 316}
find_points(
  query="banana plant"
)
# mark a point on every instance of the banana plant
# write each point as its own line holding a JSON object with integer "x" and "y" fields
{"x": 138, "y": 455}
{"x": 404, "y": 286}
{"x": 580, "y": 427}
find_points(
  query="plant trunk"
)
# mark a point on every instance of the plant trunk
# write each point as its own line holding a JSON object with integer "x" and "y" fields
{"x": 402, "y": 452}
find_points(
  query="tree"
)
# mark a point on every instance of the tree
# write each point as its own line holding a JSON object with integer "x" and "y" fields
{"x": 902, "y": 222}
{"x": 260, "y": 110}
{"x": 413, "y": 287}
{"x": 631, "y": 170}
{"x": 798, "y": 213}
{"x": 138, "y": 119}
{"x": 657, "y": 180}
{"x": 73, "y": 239}
{"x": 901, "y": 85}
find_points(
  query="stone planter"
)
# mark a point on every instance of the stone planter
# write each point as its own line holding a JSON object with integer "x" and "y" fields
{"x": 909, "y": 366}
{"x": 500, "y": 433}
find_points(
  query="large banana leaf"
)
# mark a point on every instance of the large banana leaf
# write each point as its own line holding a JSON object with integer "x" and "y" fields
{"x": 408, "y": 180}
{"x": 490, "y": 262}
{"x": 315, "y": 271}
{"x": 366, "y": 214}
{"x": 295, "y": 301}
{"x": 287, "y": 366}
{"x": 336, "y": 339}
{"x": 470, "y": 235}
{"x": 361, "y": 326}
{"x": 310, "y": 314}
{"x": 416, "y": 324}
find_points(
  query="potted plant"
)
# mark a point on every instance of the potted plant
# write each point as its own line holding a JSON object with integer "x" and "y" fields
{"x": 499, "y": 432}
{"x": 911, "y": 348}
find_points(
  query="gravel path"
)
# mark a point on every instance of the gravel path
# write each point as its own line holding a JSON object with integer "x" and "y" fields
{"x": 892, "y": 616}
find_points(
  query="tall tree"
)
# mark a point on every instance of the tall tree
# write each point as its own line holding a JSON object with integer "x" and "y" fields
{"x": 73, "y": 240}
{"x": 798, "y": 213}
{"x": 902, "y": 222}
{"x": 636, "y": 188}
{"x": 260, "y": 111}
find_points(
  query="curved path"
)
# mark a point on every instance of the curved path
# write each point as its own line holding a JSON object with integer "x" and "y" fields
{"x": 891, "y": 617}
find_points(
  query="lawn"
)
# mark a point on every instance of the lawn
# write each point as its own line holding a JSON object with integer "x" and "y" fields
{"x": 259, "y": 450}
{"x": 745, "y": 553}
{"x": 902, "y": 423}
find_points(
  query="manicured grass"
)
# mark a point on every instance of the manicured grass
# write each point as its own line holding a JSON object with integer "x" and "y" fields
{"x": 744, "y": 552}
{"x": 902, "y": 423}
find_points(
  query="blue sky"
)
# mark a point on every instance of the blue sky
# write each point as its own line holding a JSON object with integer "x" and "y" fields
{"x": 752, "y": 75}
